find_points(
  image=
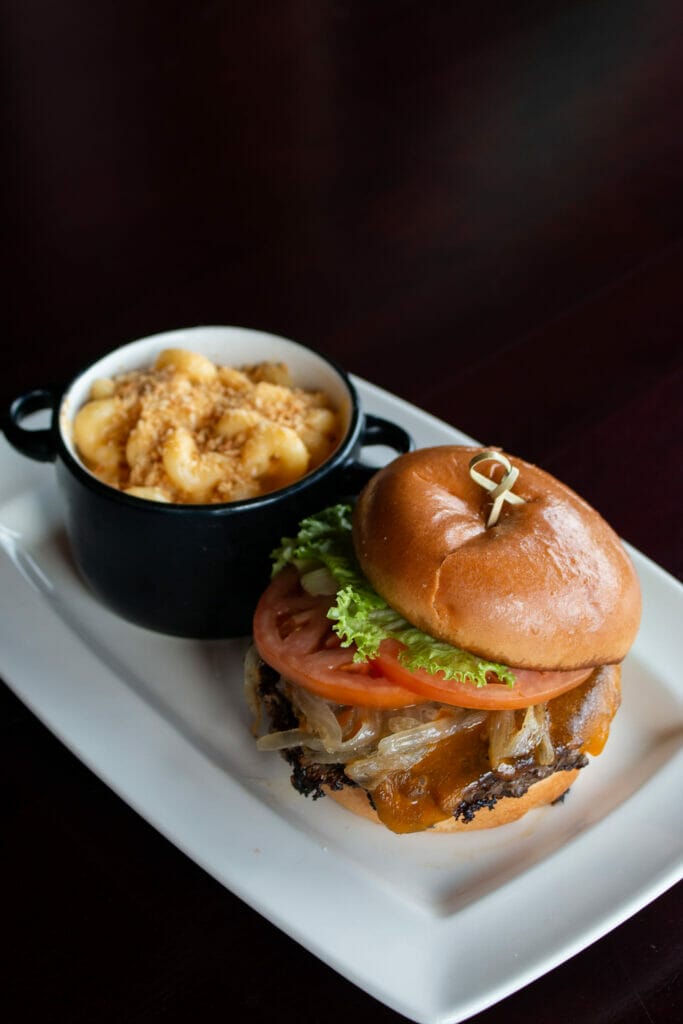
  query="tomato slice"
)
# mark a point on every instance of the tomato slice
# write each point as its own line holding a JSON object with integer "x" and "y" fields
{"x": 530, "y": 687}
{"x": 293, "y": 634}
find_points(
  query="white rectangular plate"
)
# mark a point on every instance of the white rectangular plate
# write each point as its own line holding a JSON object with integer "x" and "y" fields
{"x": 437, "y": 927}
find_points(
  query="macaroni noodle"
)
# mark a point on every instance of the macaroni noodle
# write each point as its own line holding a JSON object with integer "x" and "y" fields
{"x": 188, "y": 431}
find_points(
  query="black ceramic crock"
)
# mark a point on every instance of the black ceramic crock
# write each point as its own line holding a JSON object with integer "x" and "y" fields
{"x": 192, "y": 570}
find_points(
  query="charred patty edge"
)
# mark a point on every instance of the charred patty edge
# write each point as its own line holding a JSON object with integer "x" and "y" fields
{"x": 493, "y": 786}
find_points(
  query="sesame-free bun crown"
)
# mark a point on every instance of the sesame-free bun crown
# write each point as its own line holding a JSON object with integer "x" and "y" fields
{"x": 549, "y": 586}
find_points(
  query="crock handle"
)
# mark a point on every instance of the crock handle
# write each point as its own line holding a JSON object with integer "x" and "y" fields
{"x": 376, "y": 431}
{"x": 37, "y": 444}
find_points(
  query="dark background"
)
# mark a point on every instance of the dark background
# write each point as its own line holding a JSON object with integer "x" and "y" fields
{"x": 477, "y": 207}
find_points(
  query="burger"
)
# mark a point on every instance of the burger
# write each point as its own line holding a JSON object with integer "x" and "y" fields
{"x": 445, "y": 653}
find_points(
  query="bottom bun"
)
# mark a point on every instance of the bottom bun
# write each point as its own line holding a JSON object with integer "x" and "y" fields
{"x": 508, "y": 809}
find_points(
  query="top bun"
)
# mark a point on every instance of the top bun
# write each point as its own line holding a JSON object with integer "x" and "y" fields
{"x": 550, "y": 586}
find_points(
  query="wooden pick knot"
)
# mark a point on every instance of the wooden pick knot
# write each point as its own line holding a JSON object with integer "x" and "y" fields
{"x": 500, "y": 492}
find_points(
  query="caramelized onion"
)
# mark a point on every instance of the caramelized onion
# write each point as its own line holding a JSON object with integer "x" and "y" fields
{"x": 283, "y": 740}
{"x": 507, "y": 740}
{"x": 401, "y": 750}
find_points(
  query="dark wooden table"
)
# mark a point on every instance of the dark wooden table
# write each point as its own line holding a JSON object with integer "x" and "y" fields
{"x": 477, "y": 207}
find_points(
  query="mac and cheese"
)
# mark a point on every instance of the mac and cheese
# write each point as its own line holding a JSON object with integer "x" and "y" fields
{"x": 189, "y": 431}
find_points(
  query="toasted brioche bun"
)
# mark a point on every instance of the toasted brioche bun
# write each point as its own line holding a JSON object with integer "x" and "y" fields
{"x": 550, "y": 586}
{"x": 508, "y": 809}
